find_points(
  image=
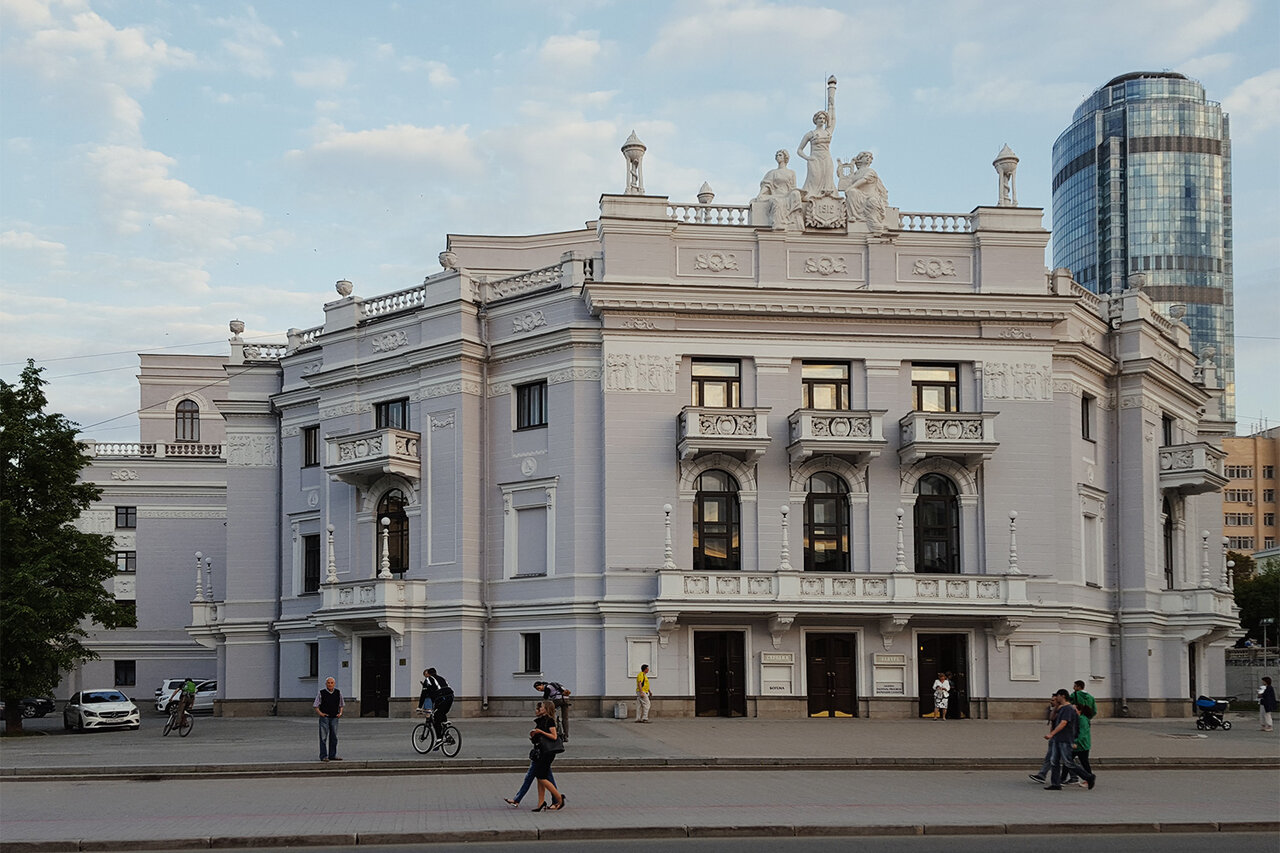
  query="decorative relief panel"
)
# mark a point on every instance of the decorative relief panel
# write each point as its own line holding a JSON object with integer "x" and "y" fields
{"x": 445, "y": 422}
{"x": 957, "y": 589}
{"x": 812, "y": 586}
{"x": 927, "y": 588}
{"x": 875, "y": 588}
{"x": 180, "y": 513}
{"x": 252, "y": 451}
{"x": 988, "y": 590}
{"x": 728, "y": 586}
{"x": 696, "y": 585}
{"x": 934, "y": 267}
{"x": 574, "y": 374}
{"x": 126, "y": 587}
{"x": 352, "y": 408}
{"x": 1013, "y": 333}
{"x": 528, "y": 322}
{"x": 826, "y": 265}
{"x": 311, "y": 368}
{"x": 840, "y": 426}
{"x": 445, "y": 389}
{"x": 1016, "y": 381}
{"x": 390, "y": 341}
{"x": 638, "y": 323}
{"x": 101, "y": 521}
{"x": 124, "y": 474}
{"x": 759, "y": 586}
{"x": 715, "y": 262}
{"x": 726, "y": 424}
{"x": 843, "y": 586}
{"x": 919, "y": 269}
{"x": 640, "y": 372}
{"x": 816, "y": 266}
{"x": 290, "y": 431}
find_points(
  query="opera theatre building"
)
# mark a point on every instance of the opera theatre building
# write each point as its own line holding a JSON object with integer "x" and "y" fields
{"x": 797, "y": 454}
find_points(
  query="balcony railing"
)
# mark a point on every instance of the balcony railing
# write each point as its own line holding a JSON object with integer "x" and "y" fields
{"x": 1192, "y": 469}
{"x": 969, "y": 436}
{"x": 161, "y": 450}
{"x": 372, "y": 594}
{"x": 851, "y": 592}
{"x": 859, "y": 434}
{"x": 363, "y": 457}
{"x": 708, "y": 430}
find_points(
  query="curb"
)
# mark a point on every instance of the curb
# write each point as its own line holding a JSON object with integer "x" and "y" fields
{"x": 229, "y": 842}
{"x": 629, "y": 765}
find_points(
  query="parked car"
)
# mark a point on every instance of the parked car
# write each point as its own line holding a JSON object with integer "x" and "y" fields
{"x": 165, "y": 690}
{"x": 34, "y": 706}
{"x": 206, "y": 692}
{"x": 100, "y": 709}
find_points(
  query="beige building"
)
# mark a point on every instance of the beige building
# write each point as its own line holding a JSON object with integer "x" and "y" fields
{"x": 1249, "y": 498}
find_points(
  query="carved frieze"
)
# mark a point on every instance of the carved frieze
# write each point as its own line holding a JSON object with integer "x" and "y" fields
{"x": 528, "y": 322}
{"x": 696, "y": 585}
{"x": 715, "y": 262}
{"x": 726, "y": 423}
{"x": 390, "y": 341}
{"x": 728, "y": 585}
{"x": 1016, "y": 381}
{"x": 759, "y": 586}
{"x": 638, "y": 323}
{"x": 934, "y": 267}
{"x": 573, "y": 374}
{"x": 351, "y": 408}
{"x": 825, "y": 265}
{"x": 1013, "y": 333}
{"x": 439, "y": 423}
{"x": 124, "y": 474}
{"x": 181, "y": 513}
{"x": 644, "y": 372}
{"x": 311, "y": 368}
{"x": 445, "y": 389}
{"x": 252, "y": 451}
{"x": 875, "y": 588}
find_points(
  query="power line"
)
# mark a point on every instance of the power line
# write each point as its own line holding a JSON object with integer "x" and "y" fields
{"x": 136, "y": 351}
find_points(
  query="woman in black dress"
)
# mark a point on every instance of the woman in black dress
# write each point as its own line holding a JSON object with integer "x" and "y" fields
{"x": 545, "y": 737}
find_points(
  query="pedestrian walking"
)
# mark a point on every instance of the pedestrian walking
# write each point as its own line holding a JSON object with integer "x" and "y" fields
{"x": 643, "y": 694}
{"x": 1080, "y": 697}
{"x": 1266, "y": 703}
{"x": 1080, "y": 748}
{"x": 558, "y": 695}
{"x": 531, "y": 774}
{"x": 546, "y": 746}
{"x": 329, "y": 706}
{"x": 1063, "y": 734}
{"x": 941, "y": 695}
{"x": 1042, "y": 776}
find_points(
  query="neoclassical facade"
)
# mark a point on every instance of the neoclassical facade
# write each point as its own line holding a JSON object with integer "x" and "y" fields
{"x": 797, "y": 470}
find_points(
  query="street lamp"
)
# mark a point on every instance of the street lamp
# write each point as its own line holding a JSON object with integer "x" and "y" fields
{"x": 384, "y": 570}
{"x": 1264, "y": 622}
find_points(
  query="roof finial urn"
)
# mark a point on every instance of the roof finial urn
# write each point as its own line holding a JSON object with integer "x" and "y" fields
{"x": 344, "y": 288}
{"x": 1006, "y": 164}
{"x": 633, "y": 149}
{"x": 706, "y": 195}
{"x": 236, "y": 327}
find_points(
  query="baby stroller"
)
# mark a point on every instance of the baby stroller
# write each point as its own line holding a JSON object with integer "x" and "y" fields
{"x": 1211, "y": 714}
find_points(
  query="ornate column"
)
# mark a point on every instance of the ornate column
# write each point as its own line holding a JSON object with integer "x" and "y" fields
{"x": 199, "y": 587}
{"x": 1205, "y": 583}
{"x": 785, "y": 564}
{"x": 331, "y": 576}
{"x": 384, "y": 566}
{"x": 668, "y": 560}
{"x": 901, "y": 564}
{"x": 1013, "y": 542}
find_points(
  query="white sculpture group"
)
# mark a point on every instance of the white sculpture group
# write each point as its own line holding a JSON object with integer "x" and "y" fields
{"x": 818, "y": 204}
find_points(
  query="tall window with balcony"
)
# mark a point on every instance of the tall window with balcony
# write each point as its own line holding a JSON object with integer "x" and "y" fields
{"x": 715, "y": 523}
{"x": 186, "y": 421}
{"x": 311, "y": 563}
{"x": 935, "y": 387}
{"x": 531, "y": 405}
{"x": 391, "y": 414}
{"x": 937, "y": 525}
{"x": 826, "y": 524}
{"x": 824, "y": 386}
{"x": 391, "y": 507}
{"x": 717, "y": 384}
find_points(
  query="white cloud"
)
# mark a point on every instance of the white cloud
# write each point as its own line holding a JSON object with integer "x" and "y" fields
{"x": 1202, "y": 66}
{"x": 1254, "y": 105}
{"x": 1198, "y": 24}
{"x": 28, "y": 242}
{"x": 323, "y": 74}
{"x": 251, "y": 45}
{"x": 754, "y": 30}
{"x": 448, "y": 147}
{"x": 570, "y": 51}
{"x": 138, "y": 194}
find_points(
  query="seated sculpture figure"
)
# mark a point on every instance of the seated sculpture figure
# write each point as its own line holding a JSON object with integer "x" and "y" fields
{"x": 864, "y": 194}
{"x": 778, "y": 189}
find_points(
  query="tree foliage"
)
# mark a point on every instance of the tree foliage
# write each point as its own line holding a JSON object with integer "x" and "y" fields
{"x": 52, "y": 576}
{"x": 1258, "y": 597}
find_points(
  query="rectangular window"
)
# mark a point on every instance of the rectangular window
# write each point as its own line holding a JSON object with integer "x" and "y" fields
{"x": 391, "y": 414}
{"x": 1098, "y": 655}
{"x": 1238, "y": 496}
{"x": 1269, "y": 542}
{"x": 126, "y": 517}
{"x": 1268, "y": 519}
{"x": 935, "y": 387}
{"x": 1166, "y": 431}
{"x": 532, "y": 530}
{"x": 1086, "y": 417}
{"x": 313, "y": 660}
{"x": 310, "y": 446}
{"x": 1238, "y": 519}
{"x": 126, "y": 561}
{"x": 531, "y": 652}
{"x": 1238, "y": 472}
{"x": 1240, "y": 543}
{"x": 311, "y": 563}
{"x": 531, "y": 405}
{"x": 1269, "y": 496}
{"x": 824, "y": 386}
{"x": 126, "y": 673}
{"x": 717, "y": 384}
{"x": 1268, "y": 472}
{"x": 1091, "y": 545}
{"x": 128, "y": 609}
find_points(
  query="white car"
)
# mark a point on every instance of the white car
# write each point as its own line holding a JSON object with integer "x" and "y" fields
{"x": 206, "y": 692}
{"x": 100, "y": 709}
{"x": 165, "y": 690}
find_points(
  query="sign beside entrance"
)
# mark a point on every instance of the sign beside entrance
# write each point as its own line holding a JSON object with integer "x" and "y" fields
{"x": 890, "y": 688}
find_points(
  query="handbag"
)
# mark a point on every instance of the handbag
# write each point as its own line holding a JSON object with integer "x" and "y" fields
{"x": 548, "y": 746}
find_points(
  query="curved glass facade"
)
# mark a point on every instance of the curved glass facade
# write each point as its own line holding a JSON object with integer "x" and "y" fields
{"x": 1142, "y": 183}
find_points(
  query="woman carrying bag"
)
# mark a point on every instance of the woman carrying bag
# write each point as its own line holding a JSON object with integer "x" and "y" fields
{"x": 546, "y": 746}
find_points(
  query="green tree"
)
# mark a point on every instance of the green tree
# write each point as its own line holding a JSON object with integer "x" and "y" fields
{"x": 1259, "y": 597}
{"x": 52, "y": 576}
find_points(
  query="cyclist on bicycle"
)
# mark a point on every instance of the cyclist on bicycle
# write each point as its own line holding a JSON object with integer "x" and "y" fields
{"x": 188, "y": 700}
{"x": 435, "y": 688}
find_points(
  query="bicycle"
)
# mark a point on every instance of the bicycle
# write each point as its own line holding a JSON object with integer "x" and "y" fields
{"x": 424, "y": 737}
{"x": 183, "y": 725}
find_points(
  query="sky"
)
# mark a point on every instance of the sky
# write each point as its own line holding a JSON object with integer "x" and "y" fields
{"x": 168, "y": 165}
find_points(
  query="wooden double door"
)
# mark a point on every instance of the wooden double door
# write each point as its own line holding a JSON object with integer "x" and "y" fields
{"x": 719, "y": 674}
{"x": 831, "y": 669}
{"x": 944, "y": 653}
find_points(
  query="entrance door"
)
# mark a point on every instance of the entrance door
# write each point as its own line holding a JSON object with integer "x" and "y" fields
{"x": 1191, "y": 670}
{"x": 831, "y": 668}
{"x": 719, "y": 674}
{"x": 375, "y": 676}
{"x": 944, "y": 653}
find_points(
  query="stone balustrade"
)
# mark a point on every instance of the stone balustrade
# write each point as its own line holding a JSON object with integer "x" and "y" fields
{"x": 1192, "y": 469}
{"x": 393, "y": 303}
{"x": 850, "y": 592}
{"x": 127, "y": 450}
{"x": 949, "y": 223}
{"x": 546, "y": 278}
{"x": 853, "y": 433}
{"x": 703, "y": 429}
{"x": 710, "y": 214}
{"x": 969, "y": 435}
{"x": 264, "y": 352}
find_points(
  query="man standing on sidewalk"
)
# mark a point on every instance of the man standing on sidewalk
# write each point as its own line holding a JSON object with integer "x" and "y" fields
{"x": 558, "y": 695}
{"x": 1061, "y": 737}
{"x": 642, "y": 694}
{"x": 328, "y": 706}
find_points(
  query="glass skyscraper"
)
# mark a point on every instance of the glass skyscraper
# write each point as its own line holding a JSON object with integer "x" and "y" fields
{"x": 1142, "y": 183}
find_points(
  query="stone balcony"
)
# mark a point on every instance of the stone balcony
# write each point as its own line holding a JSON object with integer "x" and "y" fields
{"x": 387, "y": 604}
{"x": 855, "y": 434}
{"x": 1192, "y": 469}
{"x": 735, "y": 431}
{"x": 363, "y": 457}
{"x": 967, "y": 436}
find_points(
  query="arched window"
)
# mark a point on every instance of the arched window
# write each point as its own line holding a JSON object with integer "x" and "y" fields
{"x": 1168, "y": 543}
{"x": 826, "y": 524}
{"x": 715, "y": 523}
{"x": 186, "y": 422}
{"x": 937, "y": 525}
{"x": 391, "y": 507}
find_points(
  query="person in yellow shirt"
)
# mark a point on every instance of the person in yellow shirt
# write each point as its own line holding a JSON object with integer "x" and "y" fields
{"x": 642, "y": 694}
